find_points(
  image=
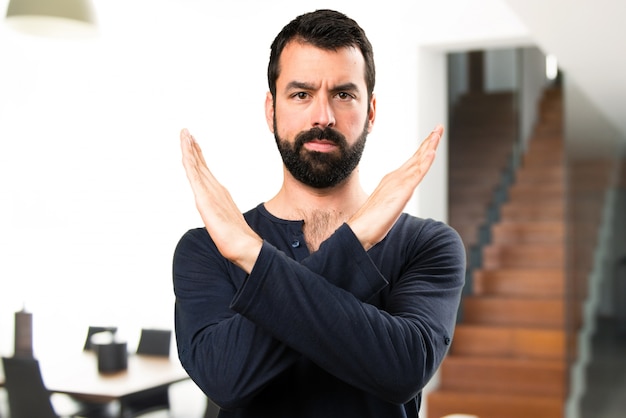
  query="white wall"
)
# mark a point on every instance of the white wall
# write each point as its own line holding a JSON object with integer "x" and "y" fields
{"x": 593, "y": 58}
{"x": 92, "y": 194}
{"x": 501, "y": 70}
{"x": 533, "y": 81}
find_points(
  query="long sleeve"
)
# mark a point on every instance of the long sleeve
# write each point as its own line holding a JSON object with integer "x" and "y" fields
{"x": 228, "y": 356}
{"x": 380, "y": 321}
{"x": 216, "y": 341}
{"x": 390, "y": 351}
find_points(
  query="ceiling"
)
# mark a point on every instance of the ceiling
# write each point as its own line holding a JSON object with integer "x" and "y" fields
{"x": 587, "y": 37}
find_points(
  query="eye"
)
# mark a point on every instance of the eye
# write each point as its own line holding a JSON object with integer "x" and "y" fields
{"x": 342, "y": 95}
{"x": 301, "y": 95}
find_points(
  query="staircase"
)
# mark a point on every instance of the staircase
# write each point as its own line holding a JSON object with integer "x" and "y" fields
{"x": 482, "y": 132}
{"x": 508, "y": 358}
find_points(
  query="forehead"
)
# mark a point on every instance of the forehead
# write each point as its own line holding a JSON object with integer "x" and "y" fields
{"x": 303, "y": 62}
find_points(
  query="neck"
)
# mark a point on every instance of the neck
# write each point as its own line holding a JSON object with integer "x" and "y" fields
{"x": 295, "y": 200}
{"x": 322, "y": 210}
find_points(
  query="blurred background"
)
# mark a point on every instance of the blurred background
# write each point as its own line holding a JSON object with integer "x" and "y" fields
{"x": 93, "y": 196}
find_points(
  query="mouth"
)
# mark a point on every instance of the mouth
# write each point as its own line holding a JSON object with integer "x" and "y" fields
{"x": 320, "y": 145}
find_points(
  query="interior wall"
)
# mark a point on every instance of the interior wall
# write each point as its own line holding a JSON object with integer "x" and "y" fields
{"x": 432, "y": 200}
{"x": 593, "y": 158}
{"x": 93, "y": 197}
{"x": 457, "y": 77}
{"x": 533, "y": 82}
{"x": 501, "y": 70}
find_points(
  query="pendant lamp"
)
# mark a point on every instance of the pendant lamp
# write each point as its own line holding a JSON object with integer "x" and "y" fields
{"x": 53, "y": 18}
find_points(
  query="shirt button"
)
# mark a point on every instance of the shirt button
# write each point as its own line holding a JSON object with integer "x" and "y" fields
{"x": 446, "y": 340}
{"x": 295, "y": 243}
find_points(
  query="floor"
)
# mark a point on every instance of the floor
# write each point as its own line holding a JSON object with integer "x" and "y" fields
{"x": 605, "y": 397}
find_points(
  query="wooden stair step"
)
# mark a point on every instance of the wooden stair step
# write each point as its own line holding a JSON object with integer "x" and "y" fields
{"x": 487, "y": 405}
{"x": 532, "y": 210}
{"x": 546, "y": 138}
{"x": 537, "y": 195}
{"x": 468, "y": 178}
{"x": 463, "y": 223}
{"x": 511, "y": 342}
{"x": 466, "y": 230}
{"x": 480, "y": 170}
{"x": 514, "y": 311}
{"x": 539, "y": 159}
{"x": 483, "y": 193}
{"x": 523, "y": 256}
{"x": 545, "y": 147}
{"x": 547, "y": 283}
{"x": 525, "y": 232}
{"x": 503, "y": 376}
{"x": 463, "y": 210}
{"x": 545, "y": 186}
{"x": 540, "y": 174}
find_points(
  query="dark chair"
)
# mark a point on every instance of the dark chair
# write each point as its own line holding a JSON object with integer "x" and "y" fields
{"x": 153, "y": 342}
{"x": 94, "y": 330}
{"x": 27, "y": 393}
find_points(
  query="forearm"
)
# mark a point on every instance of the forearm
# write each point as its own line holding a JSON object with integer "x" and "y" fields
{"x": 355, "y": 273}
{"x": 228, "y": 357}
{"x": 389, "y": 353}
{"x": 354, "y": 341}
{"x": 233, "y": 360}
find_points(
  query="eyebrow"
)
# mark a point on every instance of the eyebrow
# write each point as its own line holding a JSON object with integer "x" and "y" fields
{"x": 300, "y": 85}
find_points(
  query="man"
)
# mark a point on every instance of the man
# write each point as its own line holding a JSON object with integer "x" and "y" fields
{"x": 322, "y": 301}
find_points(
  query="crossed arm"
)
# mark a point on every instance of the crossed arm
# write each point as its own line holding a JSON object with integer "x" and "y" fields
{"x": 237, "y": 333}
{"x": 238, "y": 243}
{"x": 228, "y": 329}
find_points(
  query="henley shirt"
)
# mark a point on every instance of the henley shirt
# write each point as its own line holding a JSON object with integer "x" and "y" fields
{"x": 340, "y": 332}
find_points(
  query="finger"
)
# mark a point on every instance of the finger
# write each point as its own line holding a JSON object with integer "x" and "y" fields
{"x": 198, "y": 151}
{"x": 186, "y": 145}
{"x": 185, "y": 142}
{"x": 191, "y": 146}
{"x": 432, "y": 140}
{"x": 196, "y": 173}
{"x": 187, "y": 149}
{"x": 438, "y": 130}
{"x": 193, "y": 158}
{"x": 422, "y": 158}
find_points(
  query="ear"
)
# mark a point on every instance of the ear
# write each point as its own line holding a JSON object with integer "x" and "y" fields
{"x": 269, "y": 111}
{"x": 372, "y": 114}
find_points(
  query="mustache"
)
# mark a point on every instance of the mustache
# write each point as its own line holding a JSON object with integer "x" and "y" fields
{"x": 313, "y": 134}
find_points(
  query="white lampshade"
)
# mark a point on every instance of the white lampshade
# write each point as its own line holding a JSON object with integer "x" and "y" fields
{"x": 55, "y": 18}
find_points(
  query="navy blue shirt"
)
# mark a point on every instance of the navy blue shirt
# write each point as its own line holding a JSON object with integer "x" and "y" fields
{"x": 341, "y": 332}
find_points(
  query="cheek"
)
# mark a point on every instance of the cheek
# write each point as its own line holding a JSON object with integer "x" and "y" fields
{"x": 356, "y": 124}
{"x": 287, "y": 123}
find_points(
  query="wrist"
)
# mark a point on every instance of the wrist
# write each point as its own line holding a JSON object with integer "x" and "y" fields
{"x": 248, "y": 253}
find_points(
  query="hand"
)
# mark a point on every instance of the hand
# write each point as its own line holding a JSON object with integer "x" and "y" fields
{"x": 374, "y": 219}
{"x": 233, "y": 237}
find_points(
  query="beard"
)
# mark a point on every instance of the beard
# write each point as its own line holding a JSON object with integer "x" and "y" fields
{"x": 318, "y": 169}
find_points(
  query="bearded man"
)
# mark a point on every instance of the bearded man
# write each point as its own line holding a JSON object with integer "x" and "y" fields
{"x": 322, "y": 301}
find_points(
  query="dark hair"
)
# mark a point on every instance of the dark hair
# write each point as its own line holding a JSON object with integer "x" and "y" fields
{"x": 325, "y": 29}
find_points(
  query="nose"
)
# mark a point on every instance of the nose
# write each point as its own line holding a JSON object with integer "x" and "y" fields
{"x": 322, "y": 115}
